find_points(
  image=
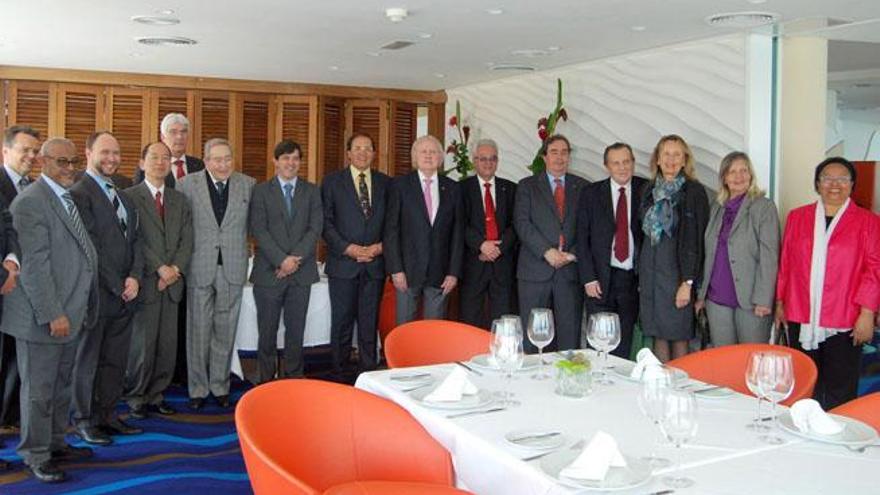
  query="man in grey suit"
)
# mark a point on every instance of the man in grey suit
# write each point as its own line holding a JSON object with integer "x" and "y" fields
{"x": 286, "y": 220}
{"x": 219, "y": 199}
{"x": 544, "y": 217}
{"x": 56, "y": 298}
{"x": 167, "y": 234}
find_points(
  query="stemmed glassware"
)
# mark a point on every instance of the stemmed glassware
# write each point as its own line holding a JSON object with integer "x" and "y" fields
{"x": 752, "y": 372}
{"x": 541, "y": 332}
{"x": 776, "y": 382}
{"x": 507, "y": 349}
{"x": 655, "y": 385}
{"x": 603, "y": 335}
{"x": 679, "y": 425}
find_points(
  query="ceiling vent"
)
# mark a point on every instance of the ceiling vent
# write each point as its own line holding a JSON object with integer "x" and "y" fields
{"x": 742, "y": 20}
{"x": 156, "y": 20}
{"x": 512, "y": 67}
{"x": 166, "y": 41}
{"x": 397, "y": 45}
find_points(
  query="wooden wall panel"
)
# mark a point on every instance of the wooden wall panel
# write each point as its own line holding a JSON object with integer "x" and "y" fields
{"x": 212, "y": 119}
{"x": 370, "y": 117}
{"x": 128, "y": 114}
{"x": 295, "y": 120}
{"x": 404, "y": 121}
{"x": 333, "y": 136}
{"x": 29, "y": 104}
{"x": 82, "y": 113}
{"x": 255, "y": 137}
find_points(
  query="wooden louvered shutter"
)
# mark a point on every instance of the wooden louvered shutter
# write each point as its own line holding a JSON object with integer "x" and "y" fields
{"x": 82, "y": 113}
{"x": 165, "y": 101}
{"x": 255, "y": 132}
{"x": 128, "y": 112}
{"x": 29, "y": 103}
{"x": 212, "y": 118}
{"x": 404, "y": 120}
{"x": 333, "y": 132}
{"x": 296, "y": 116}
{"x": 370, "y": 117}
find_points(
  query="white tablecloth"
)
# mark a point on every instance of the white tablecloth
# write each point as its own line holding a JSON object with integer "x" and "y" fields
{"x": 724, "y": 458}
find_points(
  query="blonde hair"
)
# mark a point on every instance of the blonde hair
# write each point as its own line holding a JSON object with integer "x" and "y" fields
{"x": 689, "y": 170}
{"x": 426, "y": 138}
{"x": 727, "y": 162}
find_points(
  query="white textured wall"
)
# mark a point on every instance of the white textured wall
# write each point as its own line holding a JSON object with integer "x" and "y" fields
{"x": 697, "y": 90}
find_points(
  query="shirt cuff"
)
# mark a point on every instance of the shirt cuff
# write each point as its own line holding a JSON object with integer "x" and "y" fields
{"x": 13, "y": 258}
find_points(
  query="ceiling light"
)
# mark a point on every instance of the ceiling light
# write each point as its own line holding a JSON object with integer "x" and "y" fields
{"x": 742, "y": 20}
{"x": 155, "y": 20}
{"x": 374, "y": 54}
{"x": 530, "y": 53}
{"x": 165, "y": 41}
{"x": 756, "y": 2}
{"x": 426, "y": 36}
{"x": 638, "y": 29}
{"x": 396, "y": 14}
{"x": 511, "y": 67}
{"x": 333, "y": 67}
{"x": 553, "y": 48}
{"x": 165, "y": 11}
{"x": 439, "y": 75}
{"x": 494, "y": 11}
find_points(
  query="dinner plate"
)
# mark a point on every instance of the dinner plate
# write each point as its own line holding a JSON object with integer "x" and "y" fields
{"x": 537, "y": 439}
{"x": 637, "y": 472}
{"x": 485, "y": 361}
{"x": 410, "y": 380}
{"x": 623, "y": 370}
{"x": 854, "y": 434}
{"x": 481, "y": 399}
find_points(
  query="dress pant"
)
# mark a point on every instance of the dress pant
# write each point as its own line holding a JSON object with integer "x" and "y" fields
{"x": 482, "y": 291}
{"x": 728, "y": 326}
{"x": 354, "y": 300}
{"x": 212, "y": 313}
{"x": 181, "y": 374}
{"x": 839, "y": 363}
{"x": 153, "y": 352}
{"x": 621, "y": 297}
{"x": 565, "y": 298}
{"x": 433, "y": 304}
{"x": 45, "y": 397}
{"x": 10, "y": 384}
{"x": 293, "y": 302}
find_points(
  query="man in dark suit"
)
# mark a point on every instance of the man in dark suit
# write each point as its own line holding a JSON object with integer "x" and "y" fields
{"x": 609, "y": 238}
{"x": 167, "y": 234}
{"x": 545, "y": 217}
{"x": 286, "y": 220}
{"x": 21, "y": 145}
{"x": 354, "y": 217}
{"x": 56, "y": 298}
{"x": 424, "y": 230}
{"x": 490, "y": 240}
{"x": 113, "y": 224}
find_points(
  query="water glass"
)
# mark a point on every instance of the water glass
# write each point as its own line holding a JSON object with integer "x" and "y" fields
{"x": 541, "y": 332}
{"x": 679, "y": 425}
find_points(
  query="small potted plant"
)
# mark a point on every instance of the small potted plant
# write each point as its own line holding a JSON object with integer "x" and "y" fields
{"x": 573, "y": 378}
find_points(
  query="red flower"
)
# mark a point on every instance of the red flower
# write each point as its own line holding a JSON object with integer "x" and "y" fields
{"x": 467, "y": 132}
{"x": 563, "y": 114}
{"x": 542, "y": 123}
{"x": 453, "y": 121}
{"x": 542, "y": 133}
{"x": 451, "y": 148}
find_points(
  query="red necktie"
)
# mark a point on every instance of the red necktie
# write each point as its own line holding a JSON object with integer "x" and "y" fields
{"x": 491, "y": 225}
{"x": 559, "y": 199}
{"x": 160, "y": 206}
{"x": 621, "y": 233}
{"x": 179, "y": 172}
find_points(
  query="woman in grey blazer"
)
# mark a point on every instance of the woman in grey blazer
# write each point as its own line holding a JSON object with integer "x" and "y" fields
{"x": 742, "y": 253}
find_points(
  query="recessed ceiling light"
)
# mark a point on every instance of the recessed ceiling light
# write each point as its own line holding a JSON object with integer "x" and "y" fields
{"x": 742, "y": 20}
{"x": 756, "y": 2}
{"x": 155, "y": 20}
{"x": 638, "y": 28}
{"x": 530, "y": 52}
{"x": 165, "y": 11}
{"x": 396, "y": 14}
{"x": 165, "y": 41}
{"x": 333, "y": 67}
{"x": 494, "y": 11}
{"x": 374, "y": 54}
{"x": 553, "y": 48}
{"x": 439, "y": 75}
{"x": 511, "y": 67}
{"x": 426, "y": 36}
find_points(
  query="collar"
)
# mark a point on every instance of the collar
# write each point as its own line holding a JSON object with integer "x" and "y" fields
{"x": 153, "y": 189}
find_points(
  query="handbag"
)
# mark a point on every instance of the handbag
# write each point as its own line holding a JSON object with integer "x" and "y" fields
{"x": 702, "y": 328}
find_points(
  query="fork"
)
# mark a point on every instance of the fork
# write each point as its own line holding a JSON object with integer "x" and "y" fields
{"x": 577, "y": 446}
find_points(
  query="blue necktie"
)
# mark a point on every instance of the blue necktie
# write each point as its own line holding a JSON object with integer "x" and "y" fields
{"x": 288, "y": 198}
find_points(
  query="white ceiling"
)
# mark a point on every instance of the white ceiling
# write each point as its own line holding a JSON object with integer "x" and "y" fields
{"x": 301, "y": 40}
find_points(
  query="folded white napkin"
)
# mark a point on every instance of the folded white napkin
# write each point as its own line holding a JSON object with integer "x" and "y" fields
{"x": 809, "y": 417}
{"x": 643, "y": 358}
{"x": 597, "y": 458}
{"x": 453, "y": 387}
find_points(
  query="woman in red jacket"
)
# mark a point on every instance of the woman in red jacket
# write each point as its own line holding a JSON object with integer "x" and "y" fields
{"x": 828, "y": 288}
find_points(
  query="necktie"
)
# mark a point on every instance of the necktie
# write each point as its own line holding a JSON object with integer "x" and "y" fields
{"x": 22, "y": 183}
{"x": 429, "y": 201}
{"x": 559, "y": 199}
{"x": 288, "y": 198}
{"x": 179, "y": 172}
{"x": 77, "y": 225}
{"x": 364, "y": 195}
{"x": 221, "y": 187}
{"x": 160, "y": 206}
{"x": 491, "y": 225}
{"x": 117, "y": 205}
{"x": 621, "y": 233}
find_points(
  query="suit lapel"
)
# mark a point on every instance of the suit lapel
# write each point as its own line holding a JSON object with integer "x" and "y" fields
{"x": 149, "y": 205}
{"x": 740, "y": 214}
{"x": 606, "y": 199}
{"x": 571, "y": 197}
{"x": 234, "y": 192}
{"x": 200, "y": 186}
{"x": 60, "y": 209}
{"x": 419, "y": 199}
{"x": 351, "y": 192}
{"x": 445, "y": 203}
{"x": 477, "y": 194}
{"x": 547, "y": 193}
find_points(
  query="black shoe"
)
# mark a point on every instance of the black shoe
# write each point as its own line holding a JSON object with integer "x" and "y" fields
{"x": 118, "y": 427}
{"x": 139, "y": 412}
{"x": 93, "y": 435}
{"x": 196, "y": 403}
{"x": 223, "y": 401}
{"x": 71, "y": 453}
{"x": 3, "y": 465}
{"x": 48, "y": 472}
{"x": 164, "y": 409}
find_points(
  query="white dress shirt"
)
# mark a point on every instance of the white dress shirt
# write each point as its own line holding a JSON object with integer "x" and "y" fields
{"x": 626, "y": 264}
{"x": 435, "y": 192}
{"x": 491, "y": 183}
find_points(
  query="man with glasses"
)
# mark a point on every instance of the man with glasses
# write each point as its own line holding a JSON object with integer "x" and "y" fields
{"x": 55, "y": 300}
{"x": 490, "y": 241}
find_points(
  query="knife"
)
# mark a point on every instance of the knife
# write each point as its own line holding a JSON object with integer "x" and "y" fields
{"x": 536, "y": 436}
{"x": 474, "y": 413}
{"x": 414, "y": 376}
{"x": 468, "y": 368}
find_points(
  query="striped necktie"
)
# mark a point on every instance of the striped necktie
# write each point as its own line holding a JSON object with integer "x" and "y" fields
{"x": 117, "y": 205}
{"x": 78, "y": 226}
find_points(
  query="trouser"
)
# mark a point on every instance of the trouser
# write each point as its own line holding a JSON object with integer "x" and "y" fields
{"x": 293, "y": 300}
{"x": 728, "y": 326}
{"x": 354, "y": 300}
{"x": 565, "y": 298}
{"x": 838, "y": 361}
{"x": 433, "y": 302}
{"x": 621, "y": 297}
{"x": 153, "y": 351}
{"x": 481, "y": 290}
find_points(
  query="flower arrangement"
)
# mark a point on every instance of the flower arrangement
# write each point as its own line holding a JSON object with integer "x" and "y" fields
{"x": 459, "y": 147}
{"x": 546, "y": 128}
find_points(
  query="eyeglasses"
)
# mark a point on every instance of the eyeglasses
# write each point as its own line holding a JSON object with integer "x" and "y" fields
{"x": 65, "y": 162}
{"x": 839, "y": 181}
{"x": 487, "y": 159}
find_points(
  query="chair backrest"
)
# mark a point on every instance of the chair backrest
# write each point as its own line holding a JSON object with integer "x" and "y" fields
{"x": 865, "y": 409}
{"x": 304, "y": 436}
{"x": 424, "y": 342}
{"x": 387, "y": 312}
{"x": 726, "y": 365}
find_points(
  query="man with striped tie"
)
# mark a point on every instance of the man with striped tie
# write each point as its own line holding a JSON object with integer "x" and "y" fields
{"x": 112, "y": 222}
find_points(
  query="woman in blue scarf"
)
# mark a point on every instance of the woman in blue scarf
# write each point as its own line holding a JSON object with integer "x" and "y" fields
{"x": 674, "y": 212}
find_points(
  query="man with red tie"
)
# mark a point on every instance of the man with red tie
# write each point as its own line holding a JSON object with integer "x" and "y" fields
{"x": 490, "y": 241}
{"x": 609, "y": 238}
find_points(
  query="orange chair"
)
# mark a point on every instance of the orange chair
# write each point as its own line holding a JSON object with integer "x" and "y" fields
{"x": 726, "y": 366}
{"x": 308, "y": 437}
{"x": 865, "y": 409}
{"x": 387, "y": 312}
{"x": 424, "y": 342}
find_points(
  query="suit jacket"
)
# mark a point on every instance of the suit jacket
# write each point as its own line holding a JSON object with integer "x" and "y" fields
{"x": 345, "y": 223}
{"x": 121, "y": 182}
{"x": 7, "y": 188}
{"x": 596, "y": 228}
{"x": 538, "y": 226}
{"x": 57, "y": 278}
{"x": 475, "y": 228}
{"x": 168, "y": 242}
{"x": 209, "y": 238}
{"x": 193, "y": 164}
{"x": 426, "y": 253}
{"x": 8, "y": 235}
{"x": 279, "y": 235}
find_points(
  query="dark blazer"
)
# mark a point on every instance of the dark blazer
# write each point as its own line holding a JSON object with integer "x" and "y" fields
{"x": 475, "y": 227}
{"x": 8, "y": 242}
{"x": 7, "y": 188}
{"x": 425, "y": 253}
{"x": 344, "y": 223}
{"x": 279, "y": 236}
{"x": 538, "y": 226}
{"x": 119, "y": 254}
{"x": 693, "y": 214}
{"x": 596, "y": 228}
{"x": 193, "y": 164}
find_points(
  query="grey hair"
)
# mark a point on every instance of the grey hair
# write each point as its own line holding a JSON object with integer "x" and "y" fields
{"x": 486, "y": 142}
{"x": 422, "y": 139}
{"x": 213, "y": 142}
{"x": 171, "y": 119}
{"x": 55, "y": 141}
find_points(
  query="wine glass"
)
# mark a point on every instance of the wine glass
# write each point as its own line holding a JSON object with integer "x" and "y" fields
{"x": 752, "y": 372}
{"x": 776, "y": 382}
{"x": 652, "y": 401}
{"x": 679, "y": 425}
{"x": 515, "y": 321}
{"x": 507, "y": 349}
{"x": 541, "y": 333}
{"x": 604, "y": 336}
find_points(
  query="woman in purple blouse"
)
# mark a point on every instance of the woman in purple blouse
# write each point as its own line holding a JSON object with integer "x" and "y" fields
{"x": 742, "y": 253}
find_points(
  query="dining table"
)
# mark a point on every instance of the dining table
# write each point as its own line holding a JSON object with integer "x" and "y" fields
{"x": 723, "y": 458}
